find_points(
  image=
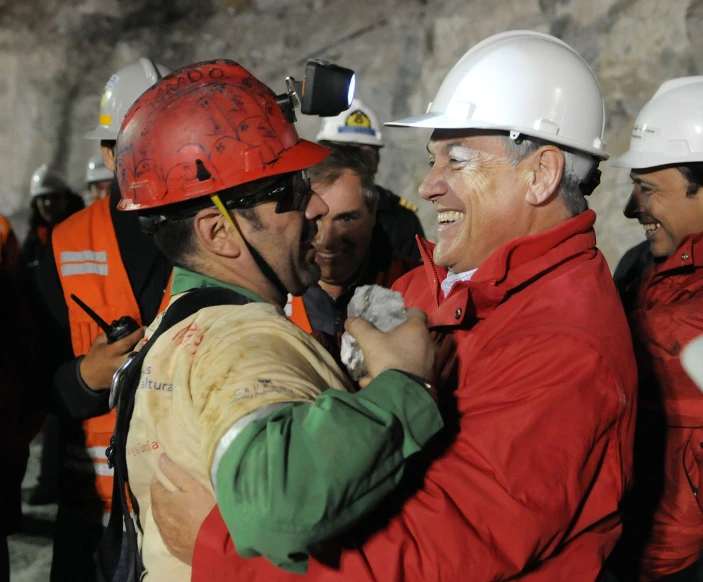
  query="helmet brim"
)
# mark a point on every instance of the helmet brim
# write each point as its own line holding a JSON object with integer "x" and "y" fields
{"x": 634, "y": 160}
{"x": 301, "y": 156}
{"x": 444, "y": 121}
{"x": 101, "y": 133}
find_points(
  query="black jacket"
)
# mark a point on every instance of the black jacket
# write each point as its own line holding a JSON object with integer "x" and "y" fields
{"x": 399, "y": 223}
{"x": 630, "y": 270}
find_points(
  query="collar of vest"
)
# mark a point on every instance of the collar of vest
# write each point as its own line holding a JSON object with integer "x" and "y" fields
{"x": 185, "y": 280}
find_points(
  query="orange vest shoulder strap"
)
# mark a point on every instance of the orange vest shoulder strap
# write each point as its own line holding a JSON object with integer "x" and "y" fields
{"x": 166, "y": 299}
{"x": 295, "y": 310}
{"x": 5, "y": 230}
{"x": 90, "y": 266}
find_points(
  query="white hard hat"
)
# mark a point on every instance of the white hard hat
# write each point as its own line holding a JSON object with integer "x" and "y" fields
{"x": 523, "y": 82}
{"x": 121, "y": 91}
{"x": 669, "y": 129}
{"x": 356, "y": 125}
{"x": 692, "y": 360}
{"x": 96, "y": 170}
{"x": 46, "y": 180}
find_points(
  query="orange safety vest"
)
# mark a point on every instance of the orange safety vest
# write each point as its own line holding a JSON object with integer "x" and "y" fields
{"x": 90, "y": 265}
{"x": 400, "y": 264}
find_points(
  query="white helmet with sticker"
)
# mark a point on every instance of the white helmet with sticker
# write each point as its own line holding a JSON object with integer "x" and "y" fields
{"x": 357, "y": 125}
{"x": 669, "y": 129}
{"x": 121, "y": 91}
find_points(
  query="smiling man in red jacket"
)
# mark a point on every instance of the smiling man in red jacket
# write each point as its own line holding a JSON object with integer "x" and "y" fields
{"x": 536, "y": 370}
{"x": 664, "y": 525}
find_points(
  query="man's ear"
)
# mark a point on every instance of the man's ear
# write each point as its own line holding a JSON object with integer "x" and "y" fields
{"x": 546, "y": 168}
{"x": 216, "y": 235}
{"x": 107, "y": 149}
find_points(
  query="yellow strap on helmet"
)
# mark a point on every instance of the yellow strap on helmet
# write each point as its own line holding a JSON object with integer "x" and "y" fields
{"x": 223, "y": 210}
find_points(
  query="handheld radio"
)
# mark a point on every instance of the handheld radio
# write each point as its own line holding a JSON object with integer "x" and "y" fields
{"x": 117, "y": 330}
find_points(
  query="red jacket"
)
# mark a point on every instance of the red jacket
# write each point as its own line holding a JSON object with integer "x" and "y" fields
{"x": 667, "y": 314}
{"x": 537, "y": 352}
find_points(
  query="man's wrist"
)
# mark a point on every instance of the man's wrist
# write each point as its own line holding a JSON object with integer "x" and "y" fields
{"x": 81, "y": 379}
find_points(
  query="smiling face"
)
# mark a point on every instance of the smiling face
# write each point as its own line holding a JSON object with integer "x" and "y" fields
{"x": 660, "y": 203}
{"x": 344, "y": 235}
{"x": 479, "y": 195}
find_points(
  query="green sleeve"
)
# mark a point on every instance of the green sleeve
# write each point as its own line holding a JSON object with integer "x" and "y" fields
{"x": 307, "y": 472}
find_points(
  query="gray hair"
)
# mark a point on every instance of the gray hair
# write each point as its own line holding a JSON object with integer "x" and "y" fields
{"x": 569, "y": 187}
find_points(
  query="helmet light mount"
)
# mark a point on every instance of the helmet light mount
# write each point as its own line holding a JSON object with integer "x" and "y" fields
{"x": 326, "y": 90}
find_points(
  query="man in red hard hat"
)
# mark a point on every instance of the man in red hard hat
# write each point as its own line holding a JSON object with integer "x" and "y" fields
{"x": 225, "y": 385}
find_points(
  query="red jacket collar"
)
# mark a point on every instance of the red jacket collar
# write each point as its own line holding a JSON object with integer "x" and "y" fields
{"x": 689, "y": 253}
{"x": 509, "y": 267}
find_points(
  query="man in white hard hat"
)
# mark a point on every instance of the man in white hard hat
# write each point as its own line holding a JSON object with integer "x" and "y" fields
{"x": 52, "y": 201}
{"x": 536, "y": 371}
{"x": 397, "y": 218}
{"x": 102, "y": 257}
{"x": 663, "y": 535}
{"x": 98, "y": 178}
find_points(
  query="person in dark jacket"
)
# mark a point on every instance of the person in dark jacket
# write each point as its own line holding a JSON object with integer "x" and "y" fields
{"x": 663, "y": 527}
{"x": 52, "y": 201}
{"x": 20, "y": 416}
{"x": 396, "y": 217}
{"x": 351, "y": 247}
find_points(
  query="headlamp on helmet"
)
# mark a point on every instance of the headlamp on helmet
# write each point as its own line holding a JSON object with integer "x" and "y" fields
{"x": 326, "y": 90}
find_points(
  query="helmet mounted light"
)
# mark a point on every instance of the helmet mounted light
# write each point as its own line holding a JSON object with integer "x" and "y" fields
{"x": 326, "y": 90}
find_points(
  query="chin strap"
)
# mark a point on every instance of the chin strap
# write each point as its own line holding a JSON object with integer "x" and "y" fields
{"x": 265, "y": 268}
{"x": 588, "y": 185}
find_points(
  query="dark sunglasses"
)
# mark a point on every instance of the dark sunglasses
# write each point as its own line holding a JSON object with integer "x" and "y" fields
{"x": 291, "y": 194}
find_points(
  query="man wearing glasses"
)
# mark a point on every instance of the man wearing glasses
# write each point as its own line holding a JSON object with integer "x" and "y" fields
{"x": 235, "y": 393}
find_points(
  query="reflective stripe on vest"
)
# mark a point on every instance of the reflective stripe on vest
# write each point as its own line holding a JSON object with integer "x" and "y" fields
{"x": 89, "y": 264}
{"x": 85, "y": 262}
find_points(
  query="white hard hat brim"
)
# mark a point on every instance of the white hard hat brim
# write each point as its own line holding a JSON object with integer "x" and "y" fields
{"x": 350, "y": 139}
{"x": 642, "y": 160}
{"x": 692, "y": 361}
{"x": 444, "y": 121}
{"x": 101, "y": 133}
{"x": 41, "y": 191}
{"x": 99, "y": 176}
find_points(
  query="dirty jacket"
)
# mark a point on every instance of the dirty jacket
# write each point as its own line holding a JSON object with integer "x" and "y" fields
{"x": 538, "y": 381}
{"x": 238, "y": 396}
{"x": 667, "y": 506}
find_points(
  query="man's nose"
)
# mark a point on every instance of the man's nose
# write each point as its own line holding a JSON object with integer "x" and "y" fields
{"x": 327, "y": 234}
{"x": 433, "y": 185}
{"x": 634, "y": 206}
{"x": 316, "y": 208}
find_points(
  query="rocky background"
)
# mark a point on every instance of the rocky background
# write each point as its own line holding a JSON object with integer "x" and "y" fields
{"x": 56, "y": 55}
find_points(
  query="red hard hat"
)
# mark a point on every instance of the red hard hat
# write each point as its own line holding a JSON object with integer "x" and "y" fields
{"x": 204, "y": 128}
